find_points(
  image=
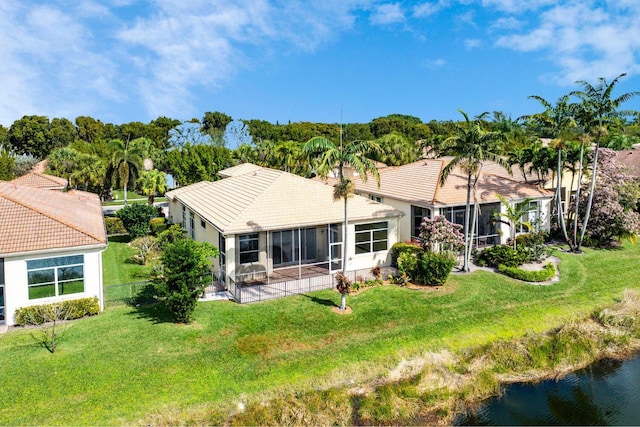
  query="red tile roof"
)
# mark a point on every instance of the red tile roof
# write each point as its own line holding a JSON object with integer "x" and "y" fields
{"x": 41, "y": 180}
{"x": 34, "y": 219}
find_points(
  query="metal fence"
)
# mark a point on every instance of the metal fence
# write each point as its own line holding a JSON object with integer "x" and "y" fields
{"x": 264, "y": 292}
{"x": 128, "y": 293}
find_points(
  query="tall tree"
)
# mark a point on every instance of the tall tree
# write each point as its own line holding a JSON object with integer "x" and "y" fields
{"x": 329, "y": 157}
{"x": 127, "y": 159}
{"x": 7, "y": 165}
{"x": 151, "y": 182}
{"x": 470, "y": 147}
{"x": 597, "y": 110}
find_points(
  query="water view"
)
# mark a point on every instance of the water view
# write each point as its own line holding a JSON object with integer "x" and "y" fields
{"x": 605, "y": 393}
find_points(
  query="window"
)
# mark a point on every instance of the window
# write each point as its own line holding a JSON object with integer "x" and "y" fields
{"x": 532, "y": 215}
{"x": 184, "y": 218}
{"x": 418, "y": 214}
{"x": 192, "y": 226}
{"x": 248, "y": 248}
{"x": 288, "y": 245}
{"x": 371, "y": 237}
{"x": 203, "y": 224}
{"x": 375, "y": 198}
{"x": 51, "y": 277}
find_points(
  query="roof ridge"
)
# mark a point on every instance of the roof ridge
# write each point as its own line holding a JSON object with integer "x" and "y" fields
{"x": 41, "y": 212}
{"x": 280, "y": 175}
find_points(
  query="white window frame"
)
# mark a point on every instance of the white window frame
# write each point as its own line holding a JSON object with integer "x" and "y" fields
{"x": 255, "y": 253}
{"x": 368, "y": 236}
{"x": 53, "y": 265}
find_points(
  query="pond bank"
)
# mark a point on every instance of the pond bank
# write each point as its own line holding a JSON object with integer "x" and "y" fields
{"x": 433, "y": 388}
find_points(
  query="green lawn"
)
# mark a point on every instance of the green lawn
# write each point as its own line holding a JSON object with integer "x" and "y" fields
{"x": 129, "y": 364}
{"x": 132, "y": 197}
{"x": 118, "y": 266}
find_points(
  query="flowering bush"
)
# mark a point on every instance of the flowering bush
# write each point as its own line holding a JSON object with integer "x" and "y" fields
{"x": 438, "y": 235}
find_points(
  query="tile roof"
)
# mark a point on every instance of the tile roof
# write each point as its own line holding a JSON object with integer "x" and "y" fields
{"x": 630, "y": 159}
{"x": 418, "y": 183}
{"x": 268, "y": 199}
{"x": 41, "y": 180}
{"x": 240, "y": 169}
{"x": 34, "y": 219}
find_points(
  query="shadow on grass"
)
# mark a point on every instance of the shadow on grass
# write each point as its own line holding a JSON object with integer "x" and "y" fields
{"x": 322, "y": 301}
{"x": 156, "y": 313}
{"x": 120, "y": 238}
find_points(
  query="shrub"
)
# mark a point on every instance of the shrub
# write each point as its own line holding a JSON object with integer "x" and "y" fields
{"x": 136, "y": 217}
{"x": 146, "y": 246}
{"x": 434, "y": 268}
{"x": 408, "y": 262}
{"x": 401, "y": 279}
{"x": 114, "y": 225}
{"x": 157, "y": 225}
{"x": 181, "y": 280}
{"x": 172, "y": 234}
{"x": 500, "y": 254}
{"x": 440, "y": 235}
{"x": 401, "y": 247}
{"x": 533, "y": 245}
{"x": 75, "y": 309}
{"x": 529, "y": 276}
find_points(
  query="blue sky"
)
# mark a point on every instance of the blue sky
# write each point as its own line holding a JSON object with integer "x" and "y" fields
{"x": 291, "y": 60}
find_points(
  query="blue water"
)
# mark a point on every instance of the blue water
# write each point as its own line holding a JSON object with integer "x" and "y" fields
{"x": 605, "y": 393}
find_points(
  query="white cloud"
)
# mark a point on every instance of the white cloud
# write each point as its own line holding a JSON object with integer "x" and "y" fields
{"x": 471, "y": 44}
{"x": 517, "y": 6}
{"x": 584, "y": 40}
{"x": 434, "y": 63}
{"x": 506, "y": 23}
{"x": 385, "y": 14}
{"x": 430, "y": 8}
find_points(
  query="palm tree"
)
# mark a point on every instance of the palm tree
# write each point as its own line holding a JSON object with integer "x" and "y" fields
{"x": 328, "y": 157}
{"x": 596, "y": 112}
{"x": 513, "y": 216}
{"x": 555, "y": 121}
{"x": 90, "y": 173}
{"x": 151, "y": 182}
{"x": 127, "y": 158}
{"x": 63, "y": 161}
{"x": 471, "y": 146}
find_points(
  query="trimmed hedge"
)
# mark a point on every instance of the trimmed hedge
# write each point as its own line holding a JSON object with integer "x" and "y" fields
{"x": 497, "y": 255}
{"x": 157, "y": 225}
{"x": 543, "y": 275}
{"x": 114, "y": 225}
{"x": 402, "y": 247}
{"x": 75, "y": 308}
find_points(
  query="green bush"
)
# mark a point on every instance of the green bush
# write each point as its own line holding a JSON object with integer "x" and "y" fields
{"x": 434, "y": 268}
{"x": 136, "y": 217}
{"x": 543, "y": 275}
{"x": 401, "y": 247}
{"x": 533, "y": 244}
{"x": 501, "y": 254}
{"x": 157, "y": 225}
{"x": 114, "y": 225}
{"x": 75, "y": 309}
{"x": 408, "y": 262}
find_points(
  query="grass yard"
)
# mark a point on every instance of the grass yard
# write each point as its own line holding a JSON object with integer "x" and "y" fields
{"x": 129, "y": 365}
{"x": 118, "y": 266}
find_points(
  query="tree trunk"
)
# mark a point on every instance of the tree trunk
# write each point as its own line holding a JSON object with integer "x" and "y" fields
{"x": 592, "y": 188}
{"x": 125, "y": 194}
{"x": 467, "y": 211}
{"x": 577, "y": 201}
{"x": 559, "y": 198}
{"x": 343, "y": 301}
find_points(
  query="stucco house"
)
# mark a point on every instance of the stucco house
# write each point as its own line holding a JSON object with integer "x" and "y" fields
{"x": 415, "y": 190}
{"x": 274, "y": 228}
{"x": 50, "y": 247}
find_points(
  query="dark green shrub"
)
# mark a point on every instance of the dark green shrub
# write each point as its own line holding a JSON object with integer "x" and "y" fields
{"x": 543, "y": 275}
{"x": 434, "y": 268}
{"x": 172, "y": 234}
{"x": 136, "y": 217}
{"x": 157, "y": 225}
{"x": 401, "y": 247}
{"x": 114, "y": 225}
{"x": 533, "y": 244}
{"x": 501, "y": 254}
{"x": 75, "y": 309}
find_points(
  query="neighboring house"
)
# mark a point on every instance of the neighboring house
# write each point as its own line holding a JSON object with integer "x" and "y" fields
{"x": 415, "y": 190}
{"x": 50, "y": 248}
{"x": 630, "y": 160}
{"x": 272, "y": 227}
{"x": 41, "y": 180}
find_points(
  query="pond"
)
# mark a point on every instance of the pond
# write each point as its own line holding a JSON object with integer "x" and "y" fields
{"x": 605, "y": 393}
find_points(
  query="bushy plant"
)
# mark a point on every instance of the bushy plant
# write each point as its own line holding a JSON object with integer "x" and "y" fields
{"x": 408, "y": 262}
{"x": 434, "y": 268}
{"x": 145, "y": 246}
{"x": 493, "y": 256}
{"x": 172, "y": 234}
{"x": 135, "y": 218}
{"x": 401, "y": 247}
{"x": 533, "y": 244}
{"x": 114, "y": 225}
{"x": 182, "y": 278}
{"x": 543, "y": 275}
{"x": 157, "y": 225}
{"x": 74, "y": 309}
{"x": 439, "y": 235}
{"x": 343, "y": 285}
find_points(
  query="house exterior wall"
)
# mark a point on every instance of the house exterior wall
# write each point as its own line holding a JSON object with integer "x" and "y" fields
{"x": 405, "y": 222}
{"x": 17, "y": 291}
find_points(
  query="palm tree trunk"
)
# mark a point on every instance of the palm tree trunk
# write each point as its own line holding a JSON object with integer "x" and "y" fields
{"x": 344, "y": 239}
{"x": 577, "y": 200}
{"x": 559, "y": 197}
{"x": 592, "y": 187}
{"x": 473, "y": 223}
{"x": 125, "y": 194}
{"x": 467, "y": 211}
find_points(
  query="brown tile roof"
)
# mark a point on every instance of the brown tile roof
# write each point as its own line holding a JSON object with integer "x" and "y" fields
{"x": 41, "y": 180}
{"x": 268, "y": 199}
{"x": 418, "y": 183}
{"x": 33, "y": 219}
{"x": 630, "y": 159}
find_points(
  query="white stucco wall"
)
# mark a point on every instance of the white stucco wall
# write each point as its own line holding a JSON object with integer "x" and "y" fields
{"x": 17, "y": 292}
